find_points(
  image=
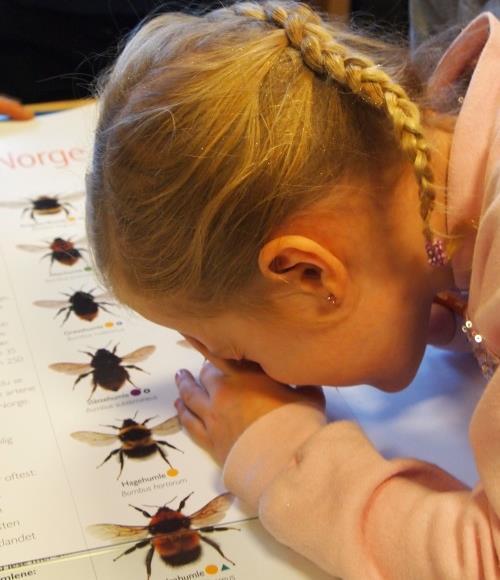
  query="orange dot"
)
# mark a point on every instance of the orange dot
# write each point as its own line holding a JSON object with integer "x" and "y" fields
{"x": 109, "y": 324}
{"x": 211, "y": 569}
{"x": 172, "y": 472}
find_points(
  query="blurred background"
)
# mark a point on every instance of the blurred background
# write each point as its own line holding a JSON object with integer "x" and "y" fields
{"x": 52, "y": 50}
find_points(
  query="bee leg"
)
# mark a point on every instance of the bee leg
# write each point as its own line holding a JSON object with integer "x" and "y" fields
{"x": 100, "y": 305}
{"x": 216, "y": 546}
{"x": 218, "y": 529}
{"x": 183, "y": 502}
{"x": 114, "y": 452}
{"x": 65, "y": 209}
{"x": 128, "y": 379}
{"x": 137, "y": 546}
{"x": 134, "y": 367}
{"x": 169, "y": 445}
{"x": 120, "y": 455}
{"x": 146, "y": 421}
{"x": 149, "y": 559}
{"x": 61, "y": 310}
{"x": 164, "y": 455}
{"x": 94, "y": 387}
{"x": 82, "y": 377}
{"x": 143, "y": 512}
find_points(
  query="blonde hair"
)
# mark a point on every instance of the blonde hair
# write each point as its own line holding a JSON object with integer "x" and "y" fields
{"x": 214, "y": 129}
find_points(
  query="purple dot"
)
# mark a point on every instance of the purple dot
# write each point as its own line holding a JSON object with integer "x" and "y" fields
{"x": 135, "y": 392}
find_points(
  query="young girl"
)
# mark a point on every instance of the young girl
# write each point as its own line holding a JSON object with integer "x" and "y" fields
{"x": 289, "y": 197}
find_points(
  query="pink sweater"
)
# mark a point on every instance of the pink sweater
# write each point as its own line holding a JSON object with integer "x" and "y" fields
{"x": 324, "y": 490}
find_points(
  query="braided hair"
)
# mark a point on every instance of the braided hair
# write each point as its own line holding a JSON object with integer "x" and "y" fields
{"x": 216, "y": 129}
{"x": 327, "y": 57}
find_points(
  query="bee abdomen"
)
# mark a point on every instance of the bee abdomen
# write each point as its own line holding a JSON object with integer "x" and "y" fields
{"x": 139, "y": 450}
{"x": 181, "y": 558}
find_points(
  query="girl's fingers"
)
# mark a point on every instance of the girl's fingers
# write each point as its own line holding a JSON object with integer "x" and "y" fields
{"x": 193, "y": 395}
{"x": 225, "y": 366}
{"x": 14, "y": 109}
{"x": 193, "y": 425}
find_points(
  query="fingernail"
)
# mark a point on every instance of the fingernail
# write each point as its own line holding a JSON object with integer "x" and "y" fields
{"x": 180, "y": 374}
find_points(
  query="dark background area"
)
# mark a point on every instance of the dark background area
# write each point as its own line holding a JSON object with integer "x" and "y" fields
{"x": 53, "y": 49}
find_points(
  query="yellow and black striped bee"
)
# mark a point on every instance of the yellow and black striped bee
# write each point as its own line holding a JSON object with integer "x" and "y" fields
{"x": 45, "y": 204}
{"x": 137, "y": 441}
{"x": 169, "y": 532}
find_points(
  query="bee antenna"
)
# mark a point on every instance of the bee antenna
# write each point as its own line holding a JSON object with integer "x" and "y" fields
{"x": 135, "y": 414}
{"x": 157, "y": 507}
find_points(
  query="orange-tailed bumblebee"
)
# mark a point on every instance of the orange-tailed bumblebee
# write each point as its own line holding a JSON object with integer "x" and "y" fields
{"x": 83, "y": 304}
{"x": 169, "y": 532}
{"x": 61, "y": 250}
{"x": 106, "y": 367}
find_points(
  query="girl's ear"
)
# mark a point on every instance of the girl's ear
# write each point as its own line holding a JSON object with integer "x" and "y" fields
{"x": 308, "y": 266}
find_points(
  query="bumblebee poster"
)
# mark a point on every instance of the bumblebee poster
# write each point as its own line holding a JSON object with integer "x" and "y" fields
{"x": 95, "y": 463}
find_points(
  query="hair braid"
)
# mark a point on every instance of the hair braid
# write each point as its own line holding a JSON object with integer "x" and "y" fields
{"x": 321, "y": 53}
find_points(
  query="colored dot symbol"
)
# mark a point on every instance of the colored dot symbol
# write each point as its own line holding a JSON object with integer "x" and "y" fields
{"x": 71, "y": 218}
{"x": 109, "y": 324}
{"x": 87, "y": 268}
{"x": 135, "y": 392}
{"x": 172, "y": 472}
{"x": 211, "y": 569}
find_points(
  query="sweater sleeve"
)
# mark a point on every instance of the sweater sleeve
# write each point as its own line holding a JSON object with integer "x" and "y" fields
{"x": 326, "y": 492}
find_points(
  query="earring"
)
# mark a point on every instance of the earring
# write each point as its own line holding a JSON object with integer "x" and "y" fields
{"x": 332, "y": 299}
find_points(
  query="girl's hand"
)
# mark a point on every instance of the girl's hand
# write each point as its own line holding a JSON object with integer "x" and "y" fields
{"x": 227, "y": 398}
{"x": 14, "y": 109}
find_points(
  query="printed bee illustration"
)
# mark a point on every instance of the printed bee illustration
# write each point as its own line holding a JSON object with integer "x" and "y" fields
{"x": 137, "y": 441}
{"x": 63, "y": 251}
{"x": 45, "y": 204}
{"x": 169, "y": 532}
{"x": 85, "y": 305}
{"x": 106, "y": 368}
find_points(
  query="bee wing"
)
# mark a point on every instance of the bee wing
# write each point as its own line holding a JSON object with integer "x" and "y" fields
{"x": 140, "y": 354}
{"x": 70, "y": 196}
{"x": 214, "y": 511}
{"x": 94, "y": 438}
{"x": 15, "y": 204}
{"x": 114, "y": 531}
{"x": 172, "y": 425}
{"x": 51, "y": 303}
{"x": 31, "y": 247}
{"x": 71, "y": 368}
